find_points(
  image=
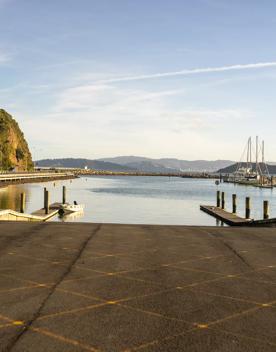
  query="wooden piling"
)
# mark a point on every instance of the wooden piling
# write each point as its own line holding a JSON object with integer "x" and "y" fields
{"x": 247, "y": 207}
{"x": 47, "y": 202}
{"x": 218, "y": 199}
{"x": 222, "y": 200}
{"x": 44, "y": 198}
{"x": 234, "y": 203}
{"x": 63, "y": 194}
{"x": 22, "y": 202}
{"x": 266, "y": 209}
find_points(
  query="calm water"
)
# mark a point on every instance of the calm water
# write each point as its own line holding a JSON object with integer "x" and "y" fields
{"x": 147, "y": 200}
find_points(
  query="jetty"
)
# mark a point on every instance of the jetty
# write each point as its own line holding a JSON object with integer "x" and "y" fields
{"x": 232, "y": 219}
{"x": 103, "y": 287}
{"x": 225, "y": 216}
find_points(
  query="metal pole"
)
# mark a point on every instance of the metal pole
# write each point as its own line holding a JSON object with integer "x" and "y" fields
{"x": 247, "y": 207}
{"x": 234, "y": 203}
{"x": 22, "y": 202}
{"x": 266, "y": 209}
{"x": 218, "y": 199}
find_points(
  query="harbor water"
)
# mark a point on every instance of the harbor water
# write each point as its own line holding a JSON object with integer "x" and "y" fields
{"x": 139, "y": 200}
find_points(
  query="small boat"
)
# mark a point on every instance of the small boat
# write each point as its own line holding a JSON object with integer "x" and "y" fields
{"x": 70, "y": 208}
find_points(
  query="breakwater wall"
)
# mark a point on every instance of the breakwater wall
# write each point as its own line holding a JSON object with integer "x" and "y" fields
{"x": 33, "y": 177}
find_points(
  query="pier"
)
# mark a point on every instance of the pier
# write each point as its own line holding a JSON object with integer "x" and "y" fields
{"x": 232, "y": 219}
{"x": 225, "y": 216}
{"x": 99, "y": 287}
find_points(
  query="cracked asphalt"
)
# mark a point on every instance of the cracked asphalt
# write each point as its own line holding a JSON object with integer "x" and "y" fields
{"x": 103, "y": 287}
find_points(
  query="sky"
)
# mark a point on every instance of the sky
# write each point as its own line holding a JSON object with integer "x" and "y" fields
{"x": 156, "y": 78}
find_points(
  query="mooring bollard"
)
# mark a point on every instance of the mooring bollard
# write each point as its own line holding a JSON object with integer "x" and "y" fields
{"x": 266, "y": 209}
{"x": 247, "y": 207}
{"x": 234, "y": 203}
{"x": 22, "y": 202}
{"x": 47, "y": 202}
{"x": 218, "y": 199}
{"x": 63, "y": 194}
{"x": 222, "y": 200}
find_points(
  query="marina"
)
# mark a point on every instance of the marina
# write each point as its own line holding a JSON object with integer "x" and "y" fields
{"x": 139, "y": 200}
{"x": 252, "y": 173}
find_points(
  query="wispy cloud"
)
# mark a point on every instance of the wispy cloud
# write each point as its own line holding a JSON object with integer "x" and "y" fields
{"x": 238, "y": 67}
{"x": 4, "y": 58}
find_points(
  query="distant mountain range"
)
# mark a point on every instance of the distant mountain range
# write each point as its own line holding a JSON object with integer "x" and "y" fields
{"x": 167, "y": 164}
{"x": 82, "y": 163}
{"x": 136, "y": 163}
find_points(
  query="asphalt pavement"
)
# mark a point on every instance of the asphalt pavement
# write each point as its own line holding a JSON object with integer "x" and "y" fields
{"x": 101, "y": 287}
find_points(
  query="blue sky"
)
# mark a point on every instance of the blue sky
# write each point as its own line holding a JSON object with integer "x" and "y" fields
{"x": 178, "y": 78}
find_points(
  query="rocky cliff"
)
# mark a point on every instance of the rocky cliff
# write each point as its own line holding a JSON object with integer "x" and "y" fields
{"x": 14, "y": 150}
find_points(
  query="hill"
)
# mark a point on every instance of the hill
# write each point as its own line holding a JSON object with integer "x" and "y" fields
{"x": 82, "y": 163}
{"x": 232, "y": 168}
{"x": 168, "y": 164}
{"x": 14, "y": 150}
{"x": 137, "y": 163}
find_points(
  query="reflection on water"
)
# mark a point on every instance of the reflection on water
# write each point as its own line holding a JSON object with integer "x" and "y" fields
{"x": 10, "y": 197}
{"x": 78, "y": 215}
{"x": 148, "y": 200}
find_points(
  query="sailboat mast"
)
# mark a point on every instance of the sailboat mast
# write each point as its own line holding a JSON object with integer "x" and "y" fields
{"x": 247, "y": 154}
{"x": 257, "y": 153}
{"x": 250, "y": 151}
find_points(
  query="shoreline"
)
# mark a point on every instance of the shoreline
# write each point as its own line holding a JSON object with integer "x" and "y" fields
{"x": 4, "y": 184}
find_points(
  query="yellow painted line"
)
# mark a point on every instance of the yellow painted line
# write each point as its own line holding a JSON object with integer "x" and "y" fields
{"x": 18, "y": 279}
{"x": 196, "y": 270}
{"x": 229, "y": 317}
{"x": 72, "y": 311}
{"x": 228, "y": 297}
{"x": 39, "y": 259}
{"x": 155, "y": 342}
{"x": 154, "y": 283}
{"x": 245, "y": 337}
{"x": 18, "y": 322}
{"x": 154, "y": 314}
{"x": 79, "y": 294}
{"x": 82, "y": 278}
{"x": 126, "y": 299}
{"x": 19, "y": 289}
{"x": 64, "y": 339}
